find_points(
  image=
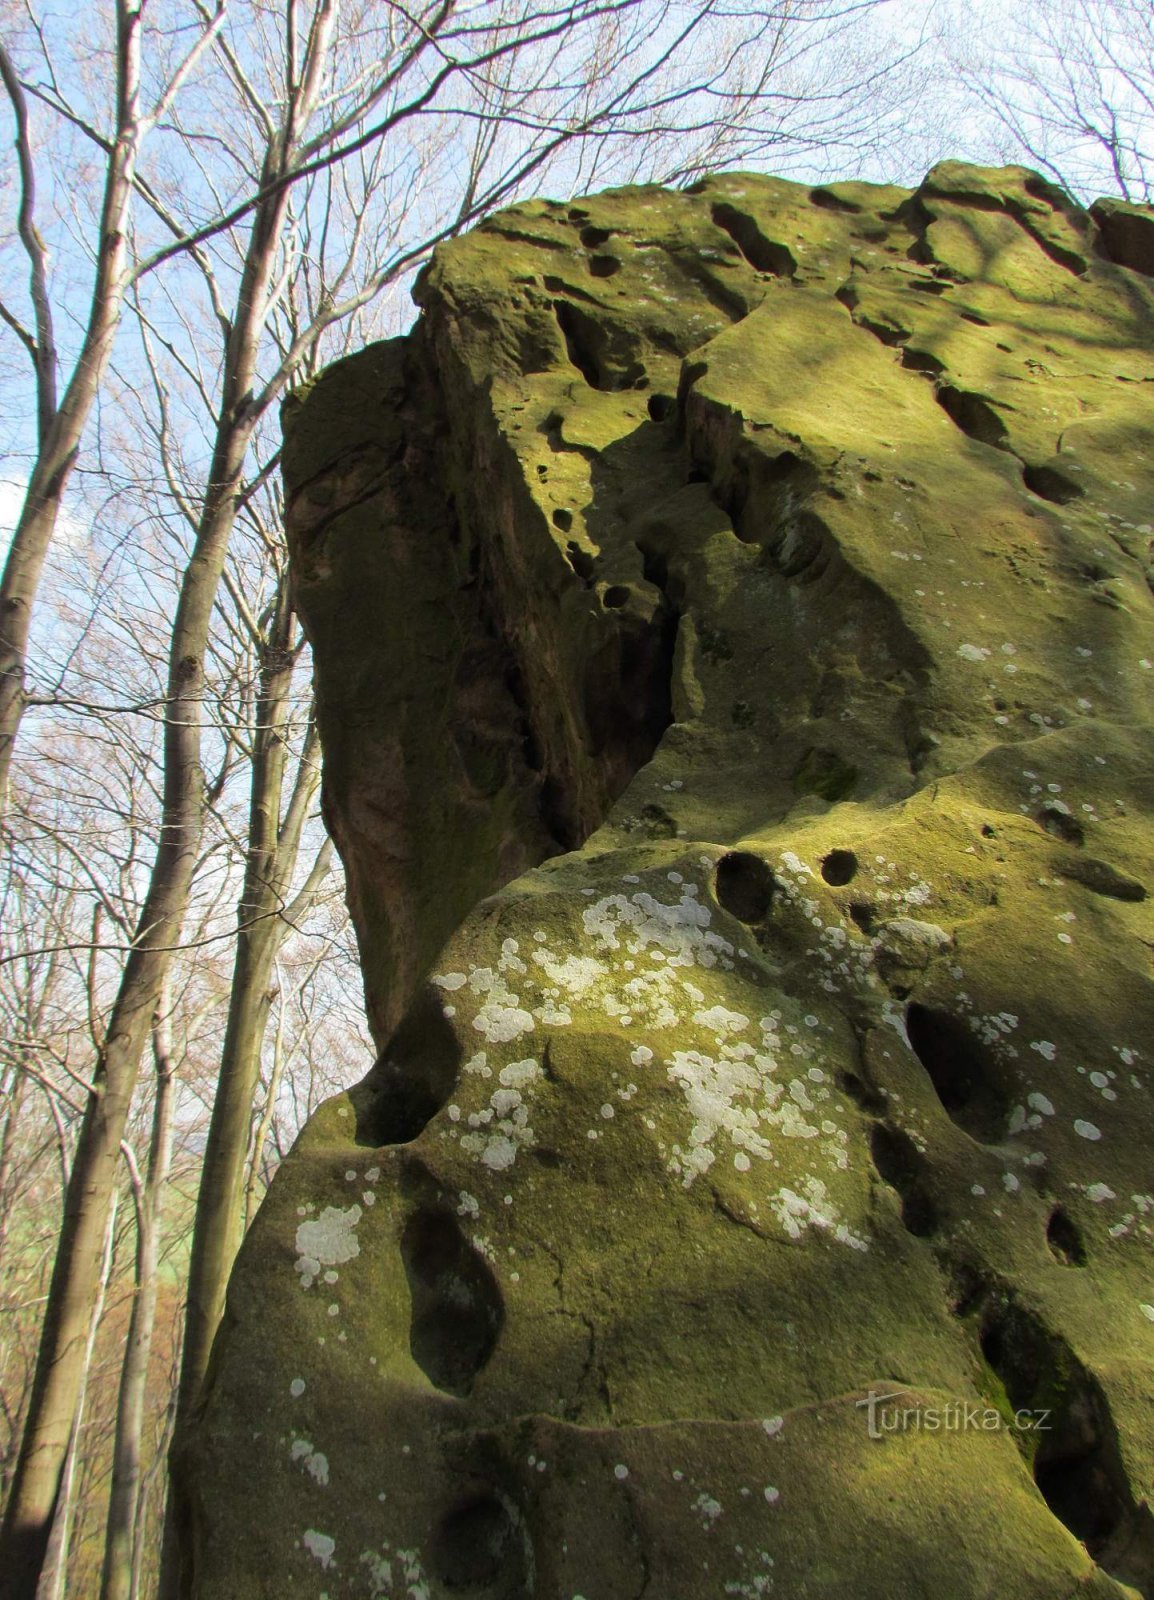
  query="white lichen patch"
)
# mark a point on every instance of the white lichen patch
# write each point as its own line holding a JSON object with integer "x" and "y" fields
{"x": 708, "y": 1509}
{"x": 320, "y": 1546}
{"x": 502, "y": 1128}
{"x": 383, "y": 1576}
{"x": 326, "y": 1241}
{"x": 813, "y": 1208}
{"x": 314, "y": 1462}
{"x": 747, "y": 1087}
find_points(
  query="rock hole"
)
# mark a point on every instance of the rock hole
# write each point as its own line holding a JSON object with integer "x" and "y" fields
{"x": 828, "y": 201}
{"x": 1050, "y": 484}
{"x": 604, "y": 266}
{"x": 1065, "y": 1239}
{"x": 477, "y": 1546}
{"x": 594, "y": 238}
{"x": 580, "y": 560}
{"x": 744, "y": 886}
{"x": 1125, "y": 236}
{"x": 580, "y": 342}
{"x": 763, "y": 254}
{"x": 959, "y": 1072}
{"x": 899, "y": 1163}
{"x": 413, "y": 1078}
{"x": 1076, "y": 1461}
{"x": 839, "y": 867}
{"x": 1101, "y": 878}
{"x": 654, "y": 567}
{"x": 863, "y": 916}
{"x": 697, "y": 475}
{"x": 661, "y": 407}
{"x": 1056, "y": 819}
{"x": 922, "y": 361}
{"x": 562, "y": 519}
{"x": 973, "y": 414}
{"x": 626, "y": 689}
{"x": 457, "y": 1311}
{"x": 604, "y": 360}
{"x": 988, "y": 832}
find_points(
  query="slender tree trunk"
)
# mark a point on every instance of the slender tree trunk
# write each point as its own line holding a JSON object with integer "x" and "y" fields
{"x": 54, "y": 1579}
{"x": 264, "y": 920}
{"x": 31, "y": 1504}
{"x": 260, "y": 1137}
{"x": 260, "y": 933}
{"x": 61, "y": 429}
{"x": 56, "y": 1386}
{"x": 120, "y": 1564}
{"x": 7, "y": 1138}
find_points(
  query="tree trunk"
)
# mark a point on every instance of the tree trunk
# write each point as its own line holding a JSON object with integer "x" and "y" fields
{"x": 52, "y": 1408}
{"x": 61, "y": 429}
{"x": 28, "y": 1519}
{"x": 54, "y": 1578}
{"x": 272, "y": 850}
{"x": 15, "y": 1099}
{"x": 120, "y": 1563}
{"x": 264, "y": 1122}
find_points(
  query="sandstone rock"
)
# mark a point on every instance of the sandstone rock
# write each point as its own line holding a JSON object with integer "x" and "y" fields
{"x": 732, "y": 617}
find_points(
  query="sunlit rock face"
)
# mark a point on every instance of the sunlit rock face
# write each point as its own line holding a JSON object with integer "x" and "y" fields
{"x": 733, "y": 628}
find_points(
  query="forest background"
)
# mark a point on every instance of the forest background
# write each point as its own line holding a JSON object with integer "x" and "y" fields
{"x": 204, "y": 202}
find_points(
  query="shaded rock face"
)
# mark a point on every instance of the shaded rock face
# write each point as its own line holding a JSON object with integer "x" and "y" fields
{"x": 732, "y": 615}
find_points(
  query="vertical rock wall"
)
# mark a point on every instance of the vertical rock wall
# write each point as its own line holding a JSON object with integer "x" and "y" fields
{"x": 733, "y": 629}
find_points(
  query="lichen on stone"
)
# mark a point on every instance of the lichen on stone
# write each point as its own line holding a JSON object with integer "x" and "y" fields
{"x": 733, "y": 616}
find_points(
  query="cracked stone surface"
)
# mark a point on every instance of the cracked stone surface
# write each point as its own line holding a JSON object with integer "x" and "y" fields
{"x": 732, "y": 619}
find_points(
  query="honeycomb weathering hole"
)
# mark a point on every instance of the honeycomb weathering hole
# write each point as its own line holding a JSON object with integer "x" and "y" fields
{"x": 899, "y": 1163}
{"x": 413, "y": 1079}
{"x": 959, "y": 1072}
{"x": 1076, "y": 1463}
{"x": 457, "y": 1310}
{"x": 839, "y": 867}
{"x": 1065, "y": 1239}
{"x": 744, "y": 886}
{"x": 1055, "y": 819}
{"x": 476, "y": 1545}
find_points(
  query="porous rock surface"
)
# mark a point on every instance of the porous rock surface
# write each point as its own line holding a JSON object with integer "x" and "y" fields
{"x": 733, "y": 629}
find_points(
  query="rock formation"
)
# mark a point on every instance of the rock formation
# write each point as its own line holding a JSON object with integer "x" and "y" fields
{"x": 733, "y": 630}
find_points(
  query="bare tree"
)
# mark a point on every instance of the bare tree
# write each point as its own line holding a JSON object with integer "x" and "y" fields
{"x": 1066, "y": 86}
{"x": 62, "y": 419}
{"x": 123, "y": 1543}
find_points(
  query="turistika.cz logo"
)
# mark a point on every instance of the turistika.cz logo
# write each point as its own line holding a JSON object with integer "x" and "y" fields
{"x": 899, "y": 1412}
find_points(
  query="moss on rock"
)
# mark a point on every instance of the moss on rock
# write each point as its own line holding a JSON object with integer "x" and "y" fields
{"x": 732, "y": 620}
